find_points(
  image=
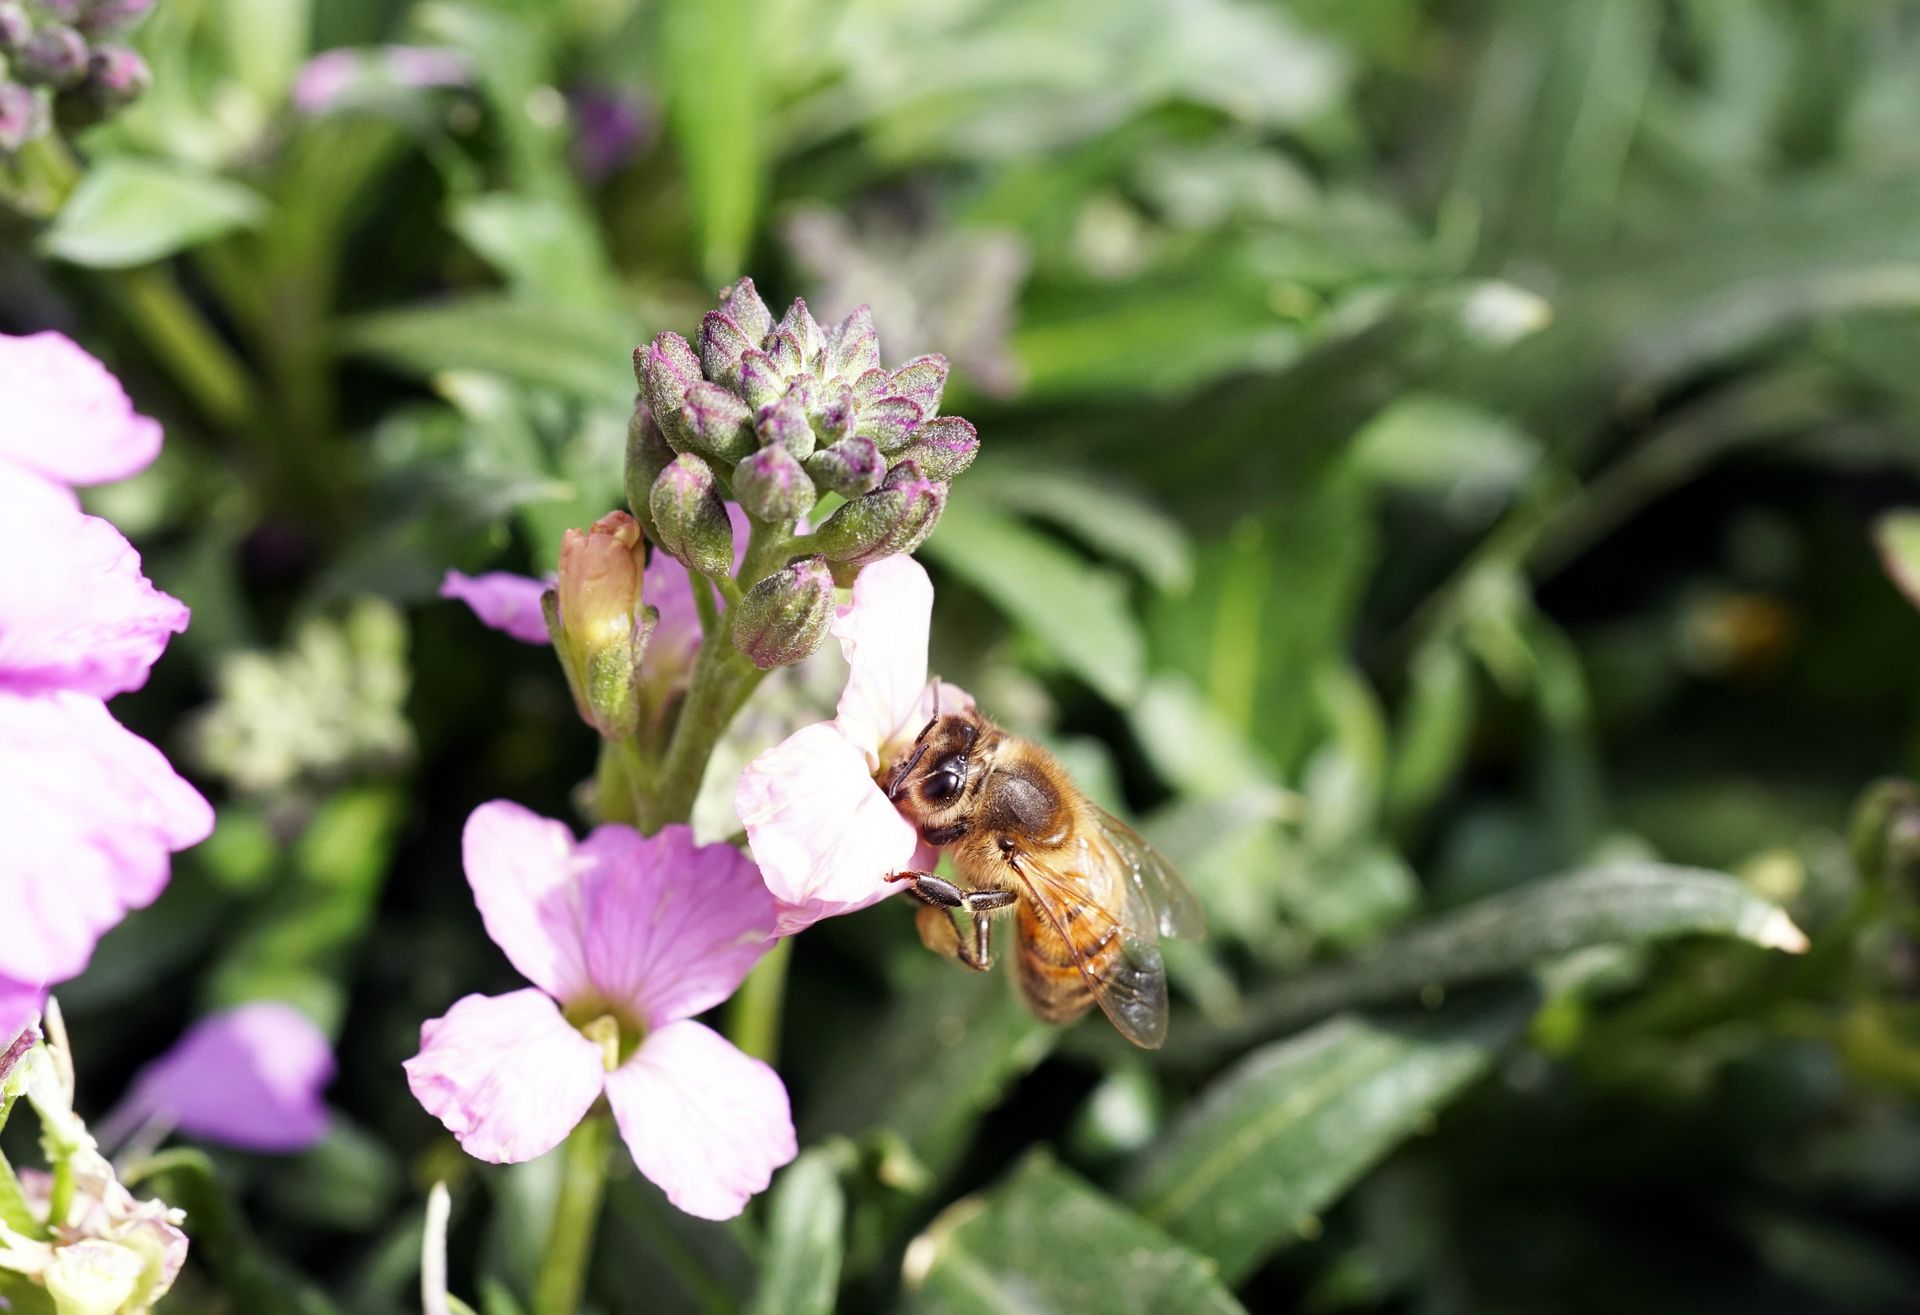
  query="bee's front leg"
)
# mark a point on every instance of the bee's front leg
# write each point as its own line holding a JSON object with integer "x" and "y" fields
{"x": 935, "y": 922}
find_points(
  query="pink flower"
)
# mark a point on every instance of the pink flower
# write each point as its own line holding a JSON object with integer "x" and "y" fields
{"x": 822, "y": 830}
{"x": 335, "y": 77}
{"x": 503, "y": 601}
{"x": 91, "y": 813}
{"x": 625, "y": 939}
{"x": 67, "y": 419}
{"x": 250, "y": 1077}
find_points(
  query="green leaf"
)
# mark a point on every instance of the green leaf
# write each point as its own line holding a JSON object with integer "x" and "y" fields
{"x": 1897, "y": 534}
{"x": 130, "y": 211}
{"x": 582, "y": 355}
{"x": 1108, "y": 518}
{"x": 1516, "y": 929}
{"x": 713, "y": 97}
{"x": 800, "y": 1270}
{"x": 1077, "y": 611}
{"x": 1466, "y": 458}
{"x": 1286, "y": 1131}
{"x": 1044, "y": 1241}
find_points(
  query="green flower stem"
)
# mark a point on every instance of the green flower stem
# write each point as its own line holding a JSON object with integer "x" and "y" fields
{"x": 563, "y": 1270}
{"x": 181, "y": 337}
{"x": 39, "y": 178}
{"x": 753, "y": 1015}
{"x": 722, "y": 681}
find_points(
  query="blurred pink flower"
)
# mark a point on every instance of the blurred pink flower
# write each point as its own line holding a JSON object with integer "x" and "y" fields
{"x": 626, "y": 939}
{"x": 91, "y": 812}
{"x": 250, "y": 1077}
{"x": 821, "y": 829}
{"x": 67, "y": 419}
{"x": 332, "y": 78}
{"x": 503, "y": 601}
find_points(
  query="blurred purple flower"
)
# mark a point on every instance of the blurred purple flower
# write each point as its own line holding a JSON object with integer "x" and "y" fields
{"x": 609, "y": 129}
{"x": 91, "y": 813}
{"x": 332, "y": 78}
{"x": 249, "y": 1077}
{"x": 627, "y": 939}
{"x": 503, "y": 601}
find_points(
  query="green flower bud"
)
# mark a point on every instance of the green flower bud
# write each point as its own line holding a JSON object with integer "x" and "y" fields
{"x": 717, "y": 424}
{"x": 943, "y": 448}
{"x": 897, "y": 517}
{"x": 761, "y": 381}
{"x": 597, "y": 623}
{"x": 24, "y": 116}
{"x": 667, "y": 368}
{"x": 785, "y": 424}
{"x": 690, "y": 518}
{"x": 773, "y": 486}
{"x": 54, "y": 56}
{"x": 116, "y": 77}
{"x": 741, "y": 303}
{"x": 832, "y": 413}
{"x": 850, "y": 467}
{"x": 722, "y": 344}
{"x": 783, "y": 618}
{"x": 801, "y": 345}
{"x": 921, "y": 381}
{"x": 648, "y": 453}
{"x": 853, "y": 347}
{"x": 888, "y": 422}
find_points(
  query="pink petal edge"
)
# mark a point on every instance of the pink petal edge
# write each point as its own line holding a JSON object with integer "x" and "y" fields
{"x": 503, "y": 601}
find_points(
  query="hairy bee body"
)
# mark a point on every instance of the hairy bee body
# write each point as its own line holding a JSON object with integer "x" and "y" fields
{"x": 1089, "y": 898}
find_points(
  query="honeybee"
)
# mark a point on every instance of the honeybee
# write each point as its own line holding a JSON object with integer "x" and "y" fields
{"x": 1090, "y": 899}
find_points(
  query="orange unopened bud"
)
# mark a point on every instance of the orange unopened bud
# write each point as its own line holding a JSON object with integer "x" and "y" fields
{"x": 598, "y": 622}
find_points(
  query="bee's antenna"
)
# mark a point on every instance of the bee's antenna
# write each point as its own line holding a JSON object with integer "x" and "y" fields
{"x": 900, "y": 774}
{"x": 936, "y": 698}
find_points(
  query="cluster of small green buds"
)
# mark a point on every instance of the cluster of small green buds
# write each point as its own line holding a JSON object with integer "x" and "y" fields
{"x": 784, "y": 617}
{"x": 598, "y": 622}
{"x": 782, "y": 414}
{"x": 59, "y": 65}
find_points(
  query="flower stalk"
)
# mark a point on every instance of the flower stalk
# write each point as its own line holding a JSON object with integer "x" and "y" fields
{"x": 583, "y": 1179}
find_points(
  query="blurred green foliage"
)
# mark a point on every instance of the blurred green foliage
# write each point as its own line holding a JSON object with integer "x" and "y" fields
{"x": 1427, "y": 448}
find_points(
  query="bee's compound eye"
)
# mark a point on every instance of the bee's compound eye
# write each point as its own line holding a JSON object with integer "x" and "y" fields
{"x": 944, "y": 782}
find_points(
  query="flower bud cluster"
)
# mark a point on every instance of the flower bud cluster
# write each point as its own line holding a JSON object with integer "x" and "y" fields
{"x": 59, "y": 64}
{"x": 781, "y": 415}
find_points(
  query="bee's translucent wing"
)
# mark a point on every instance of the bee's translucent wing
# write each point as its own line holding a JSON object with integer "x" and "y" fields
{"x": 1157, "y": 883}
{"x": 1116, "y": 955}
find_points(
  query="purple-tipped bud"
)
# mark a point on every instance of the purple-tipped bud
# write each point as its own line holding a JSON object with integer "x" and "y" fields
{"x": 783, "y": 349}
{"x": 833, "y": 413}
{"x": 785, "y": 424}
{"x": 722, "y": 344}
{"x": 100, "y": 17}
{"x": 23, "y": 116}
{"x": 648, "y": 453}
{"x": 741, "y": 303}
{"x": 666, "y": 369}
{"x": 944, "y": 447}
{"x": 116, "y": 77}
{"x": 761, "y": 381}
{"x": 54, "y": 56}
{"x": 850, "y": 467}
{"x": 596, "y": 621}
{"x": 690, "y": 518}
{"x": 921, "y": 381}
{"x": 717, "y": 424}
{"x": 888, "y": 422}
{"x": 853, "y": 347}
{"x": 875, "y": 383}
{"x": 895, "y": 518}
{"x": 802, "y": 332}
{"x": 15, "y": 26}
{"x": 773, "y": 486}
{"x": 782, "y": 619}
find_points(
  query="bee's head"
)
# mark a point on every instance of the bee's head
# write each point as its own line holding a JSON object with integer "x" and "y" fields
{"x": 933, "y": 775}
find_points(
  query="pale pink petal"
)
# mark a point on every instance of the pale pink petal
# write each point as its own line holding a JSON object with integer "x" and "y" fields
{"x": 90, "y": 813}
{"x": 706, "y": 1123}
{"x": 820, "y": 829}
{"x": 75, "y": 611}
{"x": 883, "y": 634}
{"x": 66, "y": 416}
{"x": 507, "y": 1074}
{"x": 334, "y": 77}
{"x": 672, "y": 927}
{"x": 503, "y": 601}
{"x": 250, "y": 1076}
{"x": 526, "y": 882}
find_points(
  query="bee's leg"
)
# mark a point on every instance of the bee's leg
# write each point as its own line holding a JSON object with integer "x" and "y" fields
{"x": 935, "y": 921}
